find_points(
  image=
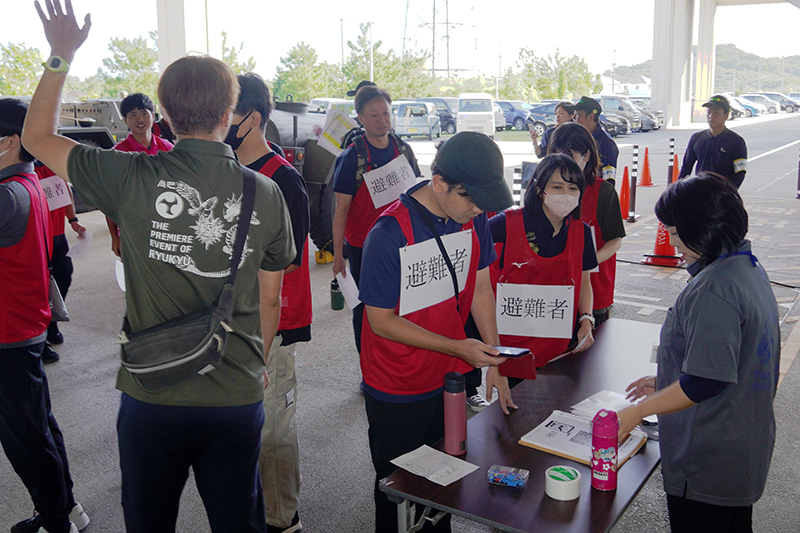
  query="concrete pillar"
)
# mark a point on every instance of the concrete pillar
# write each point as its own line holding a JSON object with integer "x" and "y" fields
{"x": 183, "y": 29}
{"x": 672, "y": 49}
{"x": 704, "y": 58}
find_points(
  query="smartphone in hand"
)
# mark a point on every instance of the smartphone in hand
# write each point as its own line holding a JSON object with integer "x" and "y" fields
{"x": 511, "y": 352}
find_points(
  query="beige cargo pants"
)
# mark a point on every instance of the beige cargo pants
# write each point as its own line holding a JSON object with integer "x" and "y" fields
{"x": 279, "y": 462}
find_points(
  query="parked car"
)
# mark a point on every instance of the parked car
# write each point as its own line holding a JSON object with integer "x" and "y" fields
{"x": 476, "y": 112}
{"x": 499, "y": 118}
{"x": 787, "y": 104}
{"x": 771, "y": 105}
{"x": 516, "y": 114}
{"x": 447, "y": 107}
{"x": 348, "y": 106}
{"x": 417, "y": 119}
{"x": 644, "y": 101}
{"x": 621, "y": 105}
{"x": 736, "y": 109}
{"x": 751, "y": 109}
{"x": 649, "y": 120}
{"x": 794, "y": 95}
{"x": 614, "y": 124}
{"x": 541, "y": 117}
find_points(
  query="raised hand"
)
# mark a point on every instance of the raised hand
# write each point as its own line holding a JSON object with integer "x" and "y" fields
{"x": 61, "y": 28}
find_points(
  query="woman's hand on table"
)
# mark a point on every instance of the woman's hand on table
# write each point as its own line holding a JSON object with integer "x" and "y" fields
{"x": 640, "y": 388}
{"x": 495, "y": 381}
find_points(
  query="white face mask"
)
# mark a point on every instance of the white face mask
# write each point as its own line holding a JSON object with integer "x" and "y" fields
{"x": 560, "y": 205}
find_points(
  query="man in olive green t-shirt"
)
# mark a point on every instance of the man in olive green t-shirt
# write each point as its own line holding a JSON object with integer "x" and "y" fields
{"x": 179, "y": 212}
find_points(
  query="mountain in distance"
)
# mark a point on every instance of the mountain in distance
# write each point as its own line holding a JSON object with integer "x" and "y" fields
{"x": 736, "y": 71}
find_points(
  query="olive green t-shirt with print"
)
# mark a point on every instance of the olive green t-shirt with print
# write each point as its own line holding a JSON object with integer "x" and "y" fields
{"x": 177, "y": 212}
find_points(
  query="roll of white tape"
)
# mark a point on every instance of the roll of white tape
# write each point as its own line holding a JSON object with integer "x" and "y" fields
{"x": 562, "y": 482}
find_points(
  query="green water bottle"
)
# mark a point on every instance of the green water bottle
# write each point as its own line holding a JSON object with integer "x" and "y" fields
{"x": 337, "y": 298}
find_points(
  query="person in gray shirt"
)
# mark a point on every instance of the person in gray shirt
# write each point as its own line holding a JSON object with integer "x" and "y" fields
{"x": 718, "y": 364}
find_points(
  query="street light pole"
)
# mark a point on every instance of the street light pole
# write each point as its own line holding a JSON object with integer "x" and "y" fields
{"x": 371, "y": 55}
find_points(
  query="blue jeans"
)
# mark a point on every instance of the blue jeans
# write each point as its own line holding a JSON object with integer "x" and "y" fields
{"x": 157, "y": 446}
{"x": 31, "y": 437}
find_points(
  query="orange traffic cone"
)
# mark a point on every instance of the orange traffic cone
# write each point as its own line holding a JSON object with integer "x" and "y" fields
{"x": 647, "y": 179}
{"x": 663, "y": 254}
{"x": 675, "y": 170}
{"x": 625, "y": 195}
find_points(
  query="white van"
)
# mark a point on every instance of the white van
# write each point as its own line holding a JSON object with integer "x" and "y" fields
{"x": 476, "y": 113}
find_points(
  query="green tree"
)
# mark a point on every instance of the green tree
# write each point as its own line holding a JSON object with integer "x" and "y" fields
{"x": 401, "y": 76}
{"x": 565, "y": 77}
{"x": 132, "y": 67}
{"x": 230, "y": 55}
{"x": 20, "y": 68}
{"x": 528, "y": 75}
{"x": 301, "y": 75}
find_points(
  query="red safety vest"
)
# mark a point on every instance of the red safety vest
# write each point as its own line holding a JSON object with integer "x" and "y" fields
{"x": 602, "y": 281}
{"x": 363, "y": 213}
{"x": 522, "y": 265}
{"x": 296, "y": 288}
{"x": 397, "y": 368}
{"x": 24, "y": 283}
{"x": 57, "y": 216}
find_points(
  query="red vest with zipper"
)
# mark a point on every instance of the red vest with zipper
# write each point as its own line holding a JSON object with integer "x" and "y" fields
{"x": 521, "y": 265}
{"x": 24, "y": 275}
{"x": 397, "y": 368}
{"x": 602, "y": 281}
{"x": 296, "y": 289}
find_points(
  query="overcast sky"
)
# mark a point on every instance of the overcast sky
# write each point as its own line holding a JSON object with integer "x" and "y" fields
{"x": 484, "y": 35}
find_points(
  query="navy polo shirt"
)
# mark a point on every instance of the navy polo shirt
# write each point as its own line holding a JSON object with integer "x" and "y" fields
{"x": 295, "y": 193}
{"x": 344, "y": 174}
{"x": 379, "y": 285}
{"x": 725, "y": 154}
{"x": 539, "y": 232}
{"x": 546, "y": 139}
{"x": 608, "y": 152}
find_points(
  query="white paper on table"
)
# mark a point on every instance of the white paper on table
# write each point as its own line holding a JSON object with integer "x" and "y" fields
{"x": 81, "y": 245}
{"x": 119, "y": 270}
{"x": 424, "y": 276}
{"x": 337, "y": 124}
{"x": 434, "y": 465}
{"x": 349, "y": 288}
{"x": 613, "y": 401}
{"x": 568, "y": 435}
{"x": 385, "y": 184}
{"x": 535, "y": 310}
{"x": 56, "y": 191}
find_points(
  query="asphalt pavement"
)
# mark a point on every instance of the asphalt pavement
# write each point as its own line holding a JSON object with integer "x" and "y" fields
{"x": 337, "y": 474}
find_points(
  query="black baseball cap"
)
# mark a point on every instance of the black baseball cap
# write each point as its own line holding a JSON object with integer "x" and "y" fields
{"x": 719, "y": 101}
{"x": 475, "y": 161}
{"x": 363, "y": 83}
{"x": 590, "y": 105}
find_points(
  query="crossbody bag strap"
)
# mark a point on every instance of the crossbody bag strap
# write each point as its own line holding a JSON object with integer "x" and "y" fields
{"x": 246, "y": 213}
{"x": 47, "y": 246}
{"x": 427, "y": 218}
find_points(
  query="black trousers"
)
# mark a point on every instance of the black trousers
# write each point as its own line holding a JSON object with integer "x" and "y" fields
{"x": 354, "y": 260}
{"x": 62, "y": 264}
{"x": 690, "y": 516}
{"x": 395, "y": 429}
{"x": 31, "y": 437}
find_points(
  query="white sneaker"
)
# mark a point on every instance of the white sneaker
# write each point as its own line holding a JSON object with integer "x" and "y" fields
{"x": 477, "y": 403}
{"x": 78, "y": 517}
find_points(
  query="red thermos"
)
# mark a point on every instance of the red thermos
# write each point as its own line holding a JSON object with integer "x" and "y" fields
{"x": 455, "y": 414}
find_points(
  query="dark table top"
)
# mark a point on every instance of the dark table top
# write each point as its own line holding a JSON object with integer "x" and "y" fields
{"x": 620, "y": 355}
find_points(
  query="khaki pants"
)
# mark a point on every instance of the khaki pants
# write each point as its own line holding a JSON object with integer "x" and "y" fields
{"x": 279, "y": 462}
